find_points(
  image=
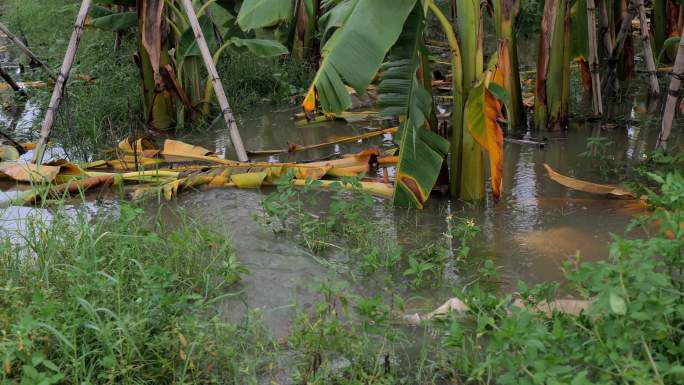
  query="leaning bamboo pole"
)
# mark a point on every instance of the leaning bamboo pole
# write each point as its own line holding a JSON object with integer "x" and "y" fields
{"x": 673, "y": 94}
{"x": 57, "y": 92}
{"x": 597, "y": 101}
{"x": 648, "y": 50}
{"x": 216, "y": 80}
{"x": 27, "y": 51}
{"x": 7, "y": 78}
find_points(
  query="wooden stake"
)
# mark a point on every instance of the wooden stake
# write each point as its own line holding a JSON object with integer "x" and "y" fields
{"x": 57, "y": 92}
{"x": 597, "y": 101}
{"x": 218, "y": 87}
{"x": 673, "y": 93}
{"x": 27, "y": 51}
{"x": 648, "y": 50}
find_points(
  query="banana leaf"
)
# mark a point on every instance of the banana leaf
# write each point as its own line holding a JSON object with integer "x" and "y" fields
{"x": 483, "y": 114}
{"x": 263, "y": 13}
{"x": 400, "y": 93}
{"x": 116, "y": 22}
{"x": 260, "y": 47}
{"x": 355, "y": 52}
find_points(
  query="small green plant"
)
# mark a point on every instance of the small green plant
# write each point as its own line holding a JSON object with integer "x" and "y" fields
{"x": 464, "y": 230}
{"x": 599, "y": 151}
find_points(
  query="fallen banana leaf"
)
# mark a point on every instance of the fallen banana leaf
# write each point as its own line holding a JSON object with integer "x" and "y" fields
{"x": 455, "y": 305}
{"x": 589, "y": 187}
{"x": 348, "y": 139}
{"x": 178, "y": 147}
{"x": 73, "y": 186}
{"x": 143, "y": 147}
{"x": 29, "y": 146}
{"x": 28, "y": 172}
{"x": 8, "y": 153}
{"x": 384, "y": 190}
{"x": 37, "y": 84}
{"x": 249, "y": 180}
{"x": 348, "y": 116}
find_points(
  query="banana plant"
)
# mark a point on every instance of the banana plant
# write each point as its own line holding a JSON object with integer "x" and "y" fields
{"x": 174, "y": 87}
{"x": 553, "y": 66}
{"x": 353, "y": 59}
{"x": 505, "y": 12}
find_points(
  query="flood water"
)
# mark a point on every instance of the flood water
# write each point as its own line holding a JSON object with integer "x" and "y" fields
{"x": 536, "y": 225}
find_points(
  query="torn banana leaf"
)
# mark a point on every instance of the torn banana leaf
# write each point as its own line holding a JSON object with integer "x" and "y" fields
{"x": 589, "y": 187}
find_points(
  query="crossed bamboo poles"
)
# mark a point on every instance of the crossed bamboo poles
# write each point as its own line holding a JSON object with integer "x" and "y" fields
{"x": 49, "y": 120}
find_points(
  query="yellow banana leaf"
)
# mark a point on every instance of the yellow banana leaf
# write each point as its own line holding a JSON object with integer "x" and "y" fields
{"x": 589, "y": 187}
{"x": 249, "y": 180}
{"x": 483, "y": 113}
{"x": 176, "y": 147}
{"x": 28, "y": 172}
{"x": 143, "y": 147}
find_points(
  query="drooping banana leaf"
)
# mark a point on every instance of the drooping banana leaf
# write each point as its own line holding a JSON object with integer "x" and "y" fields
{"x": 263, "y": 13}
{"x": 483, "y": 118}
{"x": 355, "y": 51}
{"x": 116, "y": 22}
{"x": 260, "y": 47}
{"x": 400, "y": 93}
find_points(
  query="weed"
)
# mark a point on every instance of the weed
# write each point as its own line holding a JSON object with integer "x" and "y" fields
{"x": 598, "y": 150}
{"x": 122, "y": 298}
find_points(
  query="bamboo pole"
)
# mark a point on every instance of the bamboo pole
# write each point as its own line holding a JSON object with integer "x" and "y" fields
{"x": 10, "y": 81}
{"x": 57, "y": 92}
{"x": 597, "y": 101}
{"x": 673, "y": 93}
{"x": 648, "y": 50}
{"x": 27, "y": 51}
{"x": 218, "y": 87}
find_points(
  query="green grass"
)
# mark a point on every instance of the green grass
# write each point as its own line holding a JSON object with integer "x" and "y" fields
{"x": 122, "y": 299}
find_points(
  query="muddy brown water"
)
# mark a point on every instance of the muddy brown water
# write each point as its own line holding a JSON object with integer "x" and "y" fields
{"x": 536, "y": 226}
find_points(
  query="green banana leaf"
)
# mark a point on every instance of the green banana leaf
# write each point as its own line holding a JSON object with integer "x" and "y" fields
{"x": 187, "y": 45}
{"x": 356, "y": 50}
{"x": 263, "y": 13}
{"x": 421, "y": 151}
{"x": 116, "y": 22}
{"x": 260, "y": 47}
{"x": 335, "y": 18}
